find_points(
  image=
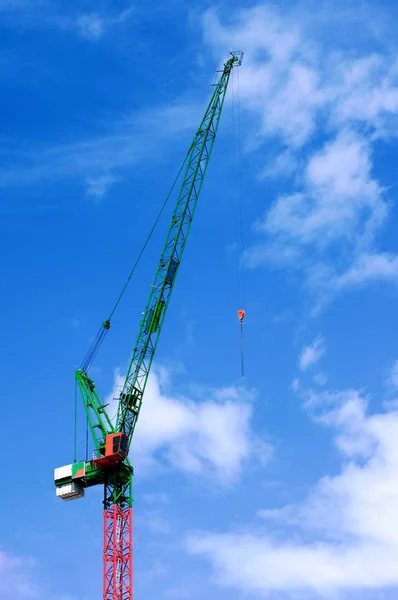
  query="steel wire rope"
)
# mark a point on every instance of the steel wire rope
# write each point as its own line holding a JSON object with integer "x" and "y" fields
{"x": 75, "y": 427}
{"x": 242, "y": 299}
{"x": 239, "y": 206}
{"x": 99, "y": 338}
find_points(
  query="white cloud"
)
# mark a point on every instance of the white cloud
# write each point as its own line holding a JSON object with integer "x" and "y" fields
{"x": 370, "y": 266}
{"x": 312, "y": 353}
{"x": 367, "y": 90}
{"x": 35, "y": 14}
{"x": 211, "y": 438}
{"x": 284, "y": 164}
{"x": 339, "y": 198}
{"x": 337, "y": 214}
{"x": 97, "y": 187}
{"x": 320, "y": 379}
{"x": 342, "y": 169}
{"x": 93, "y": 26}
{"x": 346, "y": 411}
{"x": 290, "y": 70}
{"x": 90, "y": 26}
{"x": 99, "y": 160}
{"x": 345, "y": 534}
{"x": 330, "y": 106}
{"x": 273, "y": 86}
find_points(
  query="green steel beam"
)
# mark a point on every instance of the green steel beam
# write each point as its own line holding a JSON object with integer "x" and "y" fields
{"x": 130, "y": 398}
{"x": 98, "y": 419}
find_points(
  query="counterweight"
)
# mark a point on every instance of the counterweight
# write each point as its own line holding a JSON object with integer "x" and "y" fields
{"x": 110, "y": 465}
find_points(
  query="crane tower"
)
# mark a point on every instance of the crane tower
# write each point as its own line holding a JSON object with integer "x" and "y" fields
{"x": 110, "y": 465}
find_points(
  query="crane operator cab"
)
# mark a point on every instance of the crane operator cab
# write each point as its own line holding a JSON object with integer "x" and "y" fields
{"x": 116, "y": 449}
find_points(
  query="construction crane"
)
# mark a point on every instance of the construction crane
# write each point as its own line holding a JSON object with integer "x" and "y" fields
{"x": 110, "y": 465}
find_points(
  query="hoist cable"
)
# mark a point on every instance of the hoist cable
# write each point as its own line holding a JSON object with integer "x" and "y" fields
{"x": 237, "y": 187}
{"x": 240, "y": 189}
{"x": 75, "y": 427}
{"x": 239, "y": 213}
{"x": 99, "y": 338}
{"x": 241, "y": 351}
{"x": 87, "y": 439}
{"x": 239, "y": 197}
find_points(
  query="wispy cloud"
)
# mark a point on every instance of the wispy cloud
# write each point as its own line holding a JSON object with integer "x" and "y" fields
{"x": 322, "y": 112}
{"x": 312, "y": 353}
{"x": 42, "y": 14}
{"x": 98, "y": 161}
{"x": 94, "y": 26}
{"x": 211, "y": 438}
{"x": 370, "y": 266}
{"x": 320, "y": 379}
{"x": 343, "y": 538}
{"x": 90, "y": 26}
{"x": 97, "y": 187}
{"x": 339, "y": 199}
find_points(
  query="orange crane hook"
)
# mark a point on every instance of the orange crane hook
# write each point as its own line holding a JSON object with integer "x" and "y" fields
{"x": 241, "y": 315}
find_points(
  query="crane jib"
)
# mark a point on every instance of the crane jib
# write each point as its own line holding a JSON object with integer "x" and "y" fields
{"x": 130, "y": 398}
{"x": 110, "y": 465}
{"x": 151, "y": 324}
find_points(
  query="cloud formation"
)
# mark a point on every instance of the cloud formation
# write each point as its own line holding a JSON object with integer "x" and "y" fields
{"x": 36, "y": 14}
{"x": 97, "y": 161}
{"x": 320, "y": 111}
{"x": 212, "y": 437}
{"x": 93, "y": 26}
{"x": 90, "y": 26}
{"x": 312, "y": 353}
{"x": 344, "y": 536}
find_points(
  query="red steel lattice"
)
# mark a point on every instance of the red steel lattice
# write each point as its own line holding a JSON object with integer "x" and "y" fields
{"x": 118, "y": 553}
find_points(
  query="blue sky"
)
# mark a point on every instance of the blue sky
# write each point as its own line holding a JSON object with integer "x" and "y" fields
{"x": 280, "y": 485}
